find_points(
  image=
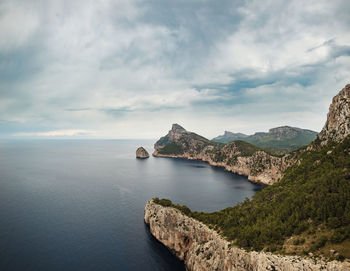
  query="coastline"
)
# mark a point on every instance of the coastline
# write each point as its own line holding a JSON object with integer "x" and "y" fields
{"x": 214, "y": 166}
{"x": 202, "y": 248}
{"x": 266, "y": 177}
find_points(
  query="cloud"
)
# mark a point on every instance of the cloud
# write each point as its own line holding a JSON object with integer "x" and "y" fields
{"x": 130, "y": 68}
{"x": 57, "y": 133}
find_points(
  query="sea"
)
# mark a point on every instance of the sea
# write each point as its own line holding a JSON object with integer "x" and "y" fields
{"x": 79, "y": 204}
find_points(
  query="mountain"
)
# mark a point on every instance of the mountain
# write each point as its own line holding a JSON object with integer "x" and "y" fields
{"x": 237, "y": 156}
{"x": 229, "y": 136}
{"x": 306, "y": 213}
{"x": 279, "y": 140}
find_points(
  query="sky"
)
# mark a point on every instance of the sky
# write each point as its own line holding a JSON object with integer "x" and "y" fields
{"x": 131, "y": 68}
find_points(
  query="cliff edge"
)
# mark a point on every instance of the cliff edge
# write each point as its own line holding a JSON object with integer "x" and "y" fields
{"x": 337, "y": 126}
{"x": 201, "y": 248}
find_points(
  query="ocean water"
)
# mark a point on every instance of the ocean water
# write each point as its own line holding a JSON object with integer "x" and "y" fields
{"x": 78, "y": 204}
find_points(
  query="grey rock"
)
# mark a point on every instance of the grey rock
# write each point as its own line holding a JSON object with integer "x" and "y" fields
{"x": 203, "y": 249}
{"x": 141, "y": 153}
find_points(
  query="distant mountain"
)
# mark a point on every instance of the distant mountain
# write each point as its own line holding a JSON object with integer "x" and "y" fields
{"x": 278, "y": 140}
{"x": 229, "y": 136}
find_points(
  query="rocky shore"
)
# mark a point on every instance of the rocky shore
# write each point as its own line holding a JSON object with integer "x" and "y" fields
{"x": 203, "y": 249}
{"x": 237, "y": 157}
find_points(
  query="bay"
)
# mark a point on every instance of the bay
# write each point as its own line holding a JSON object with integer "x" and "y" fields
{"x": 79, "y": 204}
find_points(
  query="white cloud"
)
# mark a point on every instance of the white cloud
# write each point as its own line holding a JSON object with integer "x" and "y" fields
{"x": 110, "y": 66}
{"x": 57, "y": 133}
{"x": 18, "y": 23}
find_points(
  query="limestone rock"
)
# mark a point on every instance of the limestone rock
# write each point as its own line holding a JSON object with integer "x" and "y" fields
{"x": 337, "y": 126}
{"x": 236, "y": 157}
{"x": 203, "y": 249}
{"x": 141, "y": 153}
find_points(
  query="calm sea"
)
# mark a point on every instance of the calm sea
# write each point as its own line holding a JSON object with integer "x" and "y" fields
{"x": 78, "y": 204}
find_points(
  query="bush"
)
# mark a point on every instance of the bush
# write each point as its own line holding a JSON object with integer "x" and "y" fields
{"x": 171, "y": 148}
{"x": 163, "y": 202}
{"x": 338, "y": 236}
{"x": 319, "y": 243}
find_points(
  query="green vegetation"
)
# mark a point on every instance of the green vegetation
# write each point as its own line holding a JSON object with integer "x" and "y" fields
{"x": 246, "y": 148}
{"x": 278, "y": 142}
{"x": 167, "y": 203}
{"x": 282, "y": 145}
{"x": 171, "y": 148}
{"x": 311, "y": 201}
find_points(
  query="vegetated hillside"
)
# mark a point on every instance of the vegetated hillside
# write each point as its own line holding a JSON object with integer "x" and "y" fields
{"x": 308, "y": 210}
{"x": 311, "y": 203}
{"x": 278, "y": 140}
{"x": 228, "y": 137}
{"x": 179, "y": 141}
{"x": 237, "y": 156}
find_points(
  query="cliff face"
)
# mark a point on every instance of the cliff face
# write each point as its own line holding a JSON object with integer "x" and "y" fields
{"x": 237, "y": 156}
{"x": 203, "y": 249}
{"x": 337, "y": 126}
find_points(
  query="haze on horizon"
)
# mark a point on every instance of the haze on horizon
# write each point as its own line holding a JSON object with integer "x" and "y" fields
{"x": 129, "y": 69}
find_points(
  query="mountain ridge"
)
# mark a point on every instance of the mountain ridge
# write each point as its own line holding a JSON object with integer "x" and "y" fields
{"x": 280, "y": 140}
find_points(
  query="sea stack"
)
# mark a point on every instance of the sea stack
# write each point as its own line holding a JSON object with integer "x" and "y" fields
{"x": 141, "y": 153}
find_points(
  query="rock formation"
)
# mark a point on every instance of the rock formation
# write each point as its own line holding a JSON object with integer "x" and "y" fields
{"x": 141, "y": 153}
{"x": 204, "y": 249}
{"x": 337, "y": 126}
{"x": 237, "y": 156}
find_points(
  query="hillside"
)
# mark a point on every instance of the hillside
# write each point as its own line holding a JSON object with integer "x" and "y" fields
{"x": 308, "y": 211}
{"x": 278, "y": 140}
{"x": 238, "y": 156}
{"x": 229, "y": 136}
{"x": 311, "y": 203}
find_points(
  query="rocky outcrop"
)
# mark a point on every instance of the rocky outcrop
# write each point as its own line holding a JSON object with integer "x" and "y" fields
{"x": 337, "y": 126}
{"x": 237, "y": 156}
{"x": 204, "y": 249}
{"x": 141, "y": 153}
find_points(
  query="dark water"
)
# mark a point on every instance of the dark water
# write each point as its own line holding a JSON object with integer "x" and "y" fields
{"x": 78, "y": 205}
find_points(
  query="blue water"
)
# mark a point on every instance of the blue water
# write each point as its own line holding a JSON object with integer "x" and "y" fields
{"x": 78, "y": 204}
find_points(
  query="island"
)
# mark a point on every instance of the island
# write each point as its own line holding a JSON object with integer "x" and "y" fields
{"x": 141, "y": 153}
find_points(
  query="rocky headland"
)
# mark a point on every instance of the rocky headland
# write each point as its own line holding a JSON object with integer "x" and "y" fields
{"x": 202, "y": 248}
{"x": 247, "y": 159}
{"x": 238, "y": 156}
{"x": 306, "y": 199}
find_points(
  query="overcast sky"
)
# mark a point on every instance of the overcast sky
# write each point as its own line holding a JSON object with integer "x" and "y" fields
{"x": 131, "y": 68}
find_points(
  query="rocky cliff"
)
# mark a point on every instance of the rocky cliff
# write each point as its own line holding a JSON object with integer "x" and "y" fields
{"x": 337, "y": 126}
{"x": 204, "y": 249}
{"x": 237, "y": 156}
